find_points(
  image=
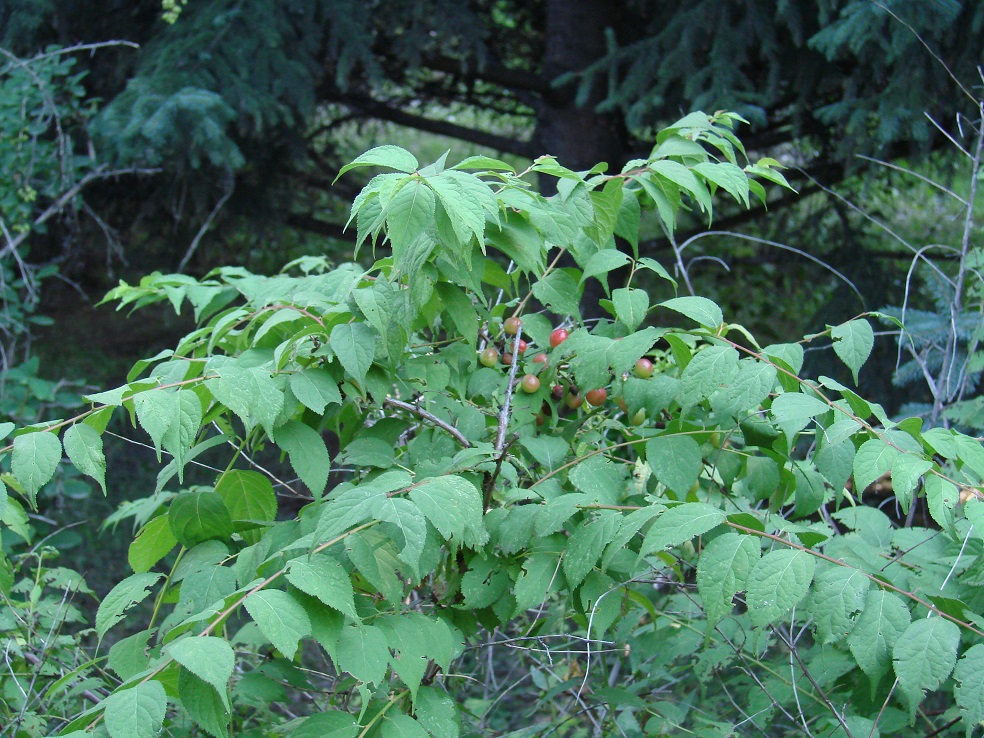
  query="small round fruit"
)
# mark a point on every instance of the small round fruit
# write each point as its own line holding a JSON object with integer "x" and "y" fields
{"x": 640, "y": 417}
{"x": 507, "y": 359}
{"x": 521, "y": 349}
{"x": 530, "y": 383}
{"x": 557, "y": 392}
{"x": 558, "y": 336}
{"x": 597, "y": 397}
{"x": 512, "y": 326}
{"x": 643, "y": 368}
{"x": 540, "y": 359}
{"x": 574, "y": 401}
{"x": 489, "y": 357}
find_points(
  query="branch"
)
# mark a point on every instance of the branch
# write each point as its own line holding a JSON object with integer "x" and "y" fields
{"x": 430, "y": 418}
{"x": 376, "y": 109}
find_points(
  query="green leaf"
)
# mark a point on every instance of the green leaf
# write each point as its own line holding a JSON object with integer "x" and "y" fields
{"x": 409, "y": 520}
{"x": 699, "y": 309}
{"x": 136, "y": 712}
{"x": 328, "y": 724}
{"x": 323, "y": 577}
{"x": 392, "y": 157}
{"x": 679, "y": 524}
{"x": 436, "y": 711}
{"x": 453, "y": 505}
{"x": 129, "y": 656}
{"x": 722, "y": 572}
{"x": 205, "y": 706}
{"x": 209, "y": 658}
{"x": 746, "y": 390}
{"x": 778, "y": 581}
{"x": 876, "y": 631}
{"x": 248, "y": 495}
{"x": 853, "y": 342}
{"x": 942, "y": 496}
{"x": 839, "y": 594}
{"x": 792, "y": 411}
{"x": 709, "y": 371}
{"x": 907, "y": 469}
{"x": 362, "y": 651}
{"x": 727, "y": 176}
{"x": 152, "y": 544}
{"x": 307, "y": 453}
{"x": 539, "y": 572}
{"x": 199, "y": 516}
{"x": 873, "y": 459}
{"x": 315, "y": 389}
{"x": 84, "y": 446}
{"x": 280, "y": 618}
{"x": 969, "y": 691}
{"x": 558, "y": 291}
{"x": 396, "y": 725}
{"x": 836, "y": 463}
{"x": 122, "y": 597}
{"x": 355, "y": 346}
{"x": 461, "y": 310}
{"x": 183, "y": 427}
{"x": 675, "y": 460}
{"x": 630, "y": 306}
{"x": 924, "y": 657}
{"x": 34, "y": 461}
{"x": 408, "y": 215}
{"x": 604, "y": 261}
{"x": 587, "y": 543}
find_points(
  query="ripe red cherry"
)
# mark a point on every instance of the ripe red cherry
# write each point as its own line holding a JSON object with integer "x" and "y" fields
{"x": 558, "y": 336}
{"x": 643, "y": 368}
{"x": 540, "y": 359}
{"x": 512, "y": 326}
{"x": 521, "y": 349}
{"x": 530, "y": 383}
{"x": 489, "y": 357}
{"x": 596, "y": 397}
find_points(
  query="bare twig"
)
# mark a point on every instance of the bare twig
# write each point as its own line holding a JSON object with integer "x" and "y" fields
{"x": 230, "y": 186}
{"x": 430, "y": 418}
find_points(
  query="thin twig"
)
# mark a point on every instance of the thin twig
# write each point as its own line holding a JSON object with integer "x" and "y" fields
{"x": 430, "y": 418}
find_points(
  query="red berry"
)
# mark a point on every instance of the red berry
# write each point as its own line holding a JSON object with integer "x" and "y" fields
{"x": 597, "y": 397}
{"x": 558, "y": 336}
{"x": 540, "y": 359}
{"x": 521, "y": 349}
{"x": 489, "y": 357}
{"x": 643, "y": 368}
{"x": 507, "y": 359}
{"x": 530, "y": 383}
{"x": 512, "y": 325}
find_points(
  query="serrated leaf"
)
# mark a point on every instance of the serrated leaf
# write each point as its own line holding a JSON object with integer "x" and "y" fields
{"x": 873, "y": 459}
{"x": 84, "y": 446}
{"x": 209, "y": 658}
{"x": 679, "y": 524}
{"x": 323, "y": 577}
{"x": 924, "y": 656}
{"x": 727, "y": 176}
{"x": 199, "y": 516}
{"x": 34, "y": 461}
{"x": 280, "y": 618}
{"x": 315, "y": 389}
{"x": 436, "y": 711}
{"x": 152, "y": 544}
{"x": 942, "y": 496}
{"x": 204, "y": 705}
{"x": 363, "y": 652}
{"x": 630, "y": 306}
{"x": 907, "y": 469}
{"x": 778, "y": 582}
{"x": 792, "y": 411}
{"x": 355, "y": 346}
{"x": 722, "y": 572}
{"x": 747, "y": 389}
{"x": 710, "y": 370}
{"x": 248, "y": 495}
{"x": 136, "y": 712}
{"x": 558, "y": 291}
{"x": 453, "y": 505}
{"x": 328, "y": 724}
{"x": 699, "y": 309}
{"x": 409, "y": 520}
{"x": 876, "y": 631}
{"x": 969, "y": 691}
{"x": 392, "y": 157}
{"x": 307, "y": 453}
{"x": 604, "y": 261}
{"x": 853, "y": 342}
{"x": 675, "y": 460}
{"x": 586, "y": 544}
{"x": 396, "y": 725}
{"x": 838, "y": 595}
{"x": 122, "y": 597}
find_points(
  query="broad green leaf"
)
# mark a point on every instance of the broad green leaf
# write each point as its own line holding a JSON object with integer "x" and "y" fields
{"x": 205, "y": 706}
{"x": 873, "y": 459}
{"x": 836, "y": 463}
{"x": 391, "y": 157}
{"x": 722, "y": 572}
{"x": 907, "y": 469}
{"x": 397, "y": 725}
{"x": 630, "y": 306}
{"x": 307, "y": 453}
{"x": 540, "y": 570}
{"x": 942, "y": 496}
{"x": 924, "y": 656}
{"x": 129, "y": 656}
{"x": 34, "y": 461}
{"x": 84, "y": 446}
{"x": 375, "y": 557}
{"x": 586, "y": 544}
{"x": 778, "y": 581}
{"x": 135, "y": 588}
{"x": 549, "y": 451}
{"x": 792, "y": 411}
{"x": 675, "y": 460}
{"x": 156, "y": 410}
{"x": 559, "y": 292}
{"x": 280, "y": 618}
{"x": 853, "y": 342}
{"x": 328, "y": 724}
{"x": 969, "y": 691}
{"x": 355, "y": 346}
{"x": 199, "y": 516}
{"x": 876, "y": 631}
{"x": 838, "y": 595}
{"x": 407, "y": 636}
{"x": 699, "y": 309}
{"x": 679, "y": 524}
{"x": 709, "y": 371}
{"x": 552, "y": 516}
{"x": 323, "y": 577}
{"x": 726, "y": 176}
{"x": 604, "y": 261}
{"x": 436, "y": 711}
{"x": 484, "y": 583}
{"x": 409, "y": 520}
{"x": 136, "y": 712}
{"x": 153, "y": 543}
{"x": 408, "y": 215}
{"x": 461, "y": 310}
{"x": 746, "y": 390}
{"x": 362, "y": 651}
{"x": 209, "y": 658}
{"x": 248, "y": 495}
{"x": 183, "y": 427}
{"x": 315, "y": 389}
{"x": 353, "y": 506}
{"x": 453, "y": 505}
